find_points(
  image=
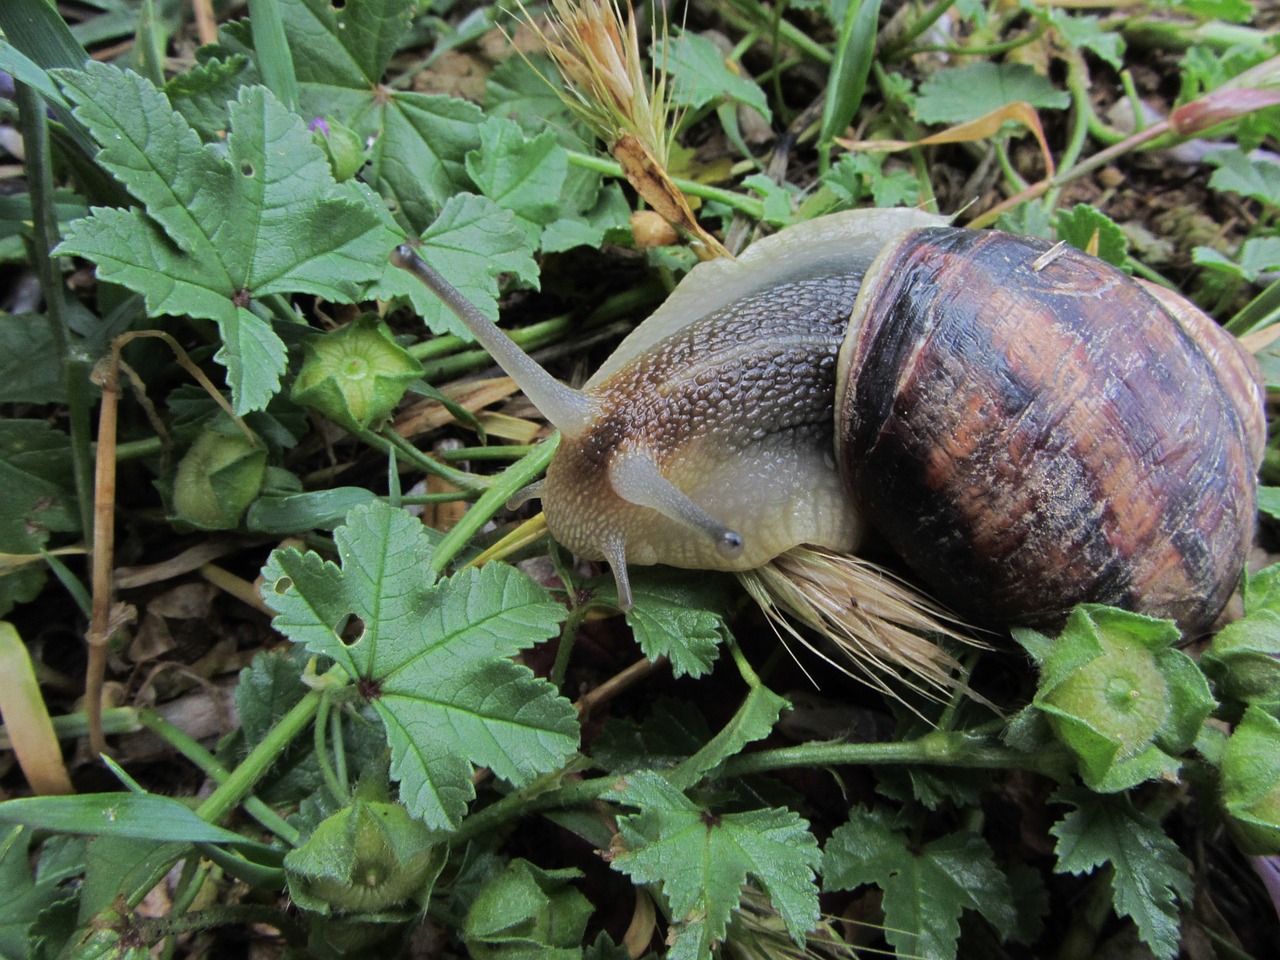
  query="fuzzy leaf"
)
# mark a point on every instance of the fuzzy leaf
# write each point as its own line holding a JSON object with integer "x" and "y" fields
{"x": 961, "y": 94}
{"x": 703, "y": 859}
{"x": 470, "y": 243}
{"x": 221, "y": 226}
{"x": 522, "y": 175}
{"x": 431, "y": 658}
{"x": 925, "y": 888}
{"x": 1255, "y": 177}
{"x": 1149, "y": 873}
{"x": 700, "y": 74}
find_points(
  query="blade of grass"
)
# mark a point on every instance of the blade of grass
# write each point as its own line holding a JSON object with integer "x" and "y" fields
{"x": 27, "y": 718}
{"x": 855, "y": 49}
{"x": 274, "y": 59}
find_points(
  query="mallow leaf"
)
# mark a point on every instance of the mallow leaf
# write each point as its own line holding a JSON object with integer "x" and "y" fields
{"x": 702, "y": 859}
{"x": 432, "y": 658}
{"x": 221, "y": 225}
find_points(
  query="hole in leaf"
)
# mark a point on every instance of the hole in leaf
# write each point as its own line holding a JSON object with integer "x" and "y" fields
{"x": 246, "y": 168}
{"x": 352, "y": 630}
{"x": 283, "y": 585}
{"x": 338, "y": 4}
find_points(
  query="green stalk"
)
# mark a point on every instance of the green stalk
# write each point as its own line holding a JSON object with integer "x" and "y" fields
{"x": 503, "y": 487}
{"x": 260, "y": 760}
{"x": 389, "y": 441}
{"x": 215, "y": 771}
{"x": 44, "y": 227}
{"x": 937, "y": 748}
{"x": 737, "y": 201}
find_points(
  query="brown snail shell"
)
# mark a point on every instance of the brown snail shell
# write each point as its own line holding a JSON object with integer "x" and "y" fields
{"x": 1030, "y": 429}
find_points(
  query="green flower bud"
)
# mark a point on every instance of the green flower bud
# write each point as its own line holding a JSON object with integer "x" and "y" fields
{"x": 1244, "y": 660}
{"x": 526, "y": 911}
{"x": 365, "y": 858}
{"x": 1124, "y": 702}
{"x": 342, "y": 145}
{"x": 355, "y": 376}
{"x": 1251, "y": 782}
{"x": 217, "y": 479}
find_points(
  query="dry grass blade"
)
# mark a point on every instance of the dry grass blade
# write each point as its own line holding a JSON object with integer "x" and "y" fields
{"x": 597, "y": 50}
{"x": 878, "y": 624}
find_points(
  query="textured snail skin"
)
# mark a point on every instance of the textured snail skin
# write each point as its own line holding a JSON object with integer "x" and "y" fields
{"x": 1030, "y": 431}
{"x": 736, "y": 409}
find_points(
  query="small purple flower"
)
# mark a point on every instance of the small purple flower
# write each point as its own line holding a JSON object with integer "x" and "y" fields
{"x": 321, "y": 124}
{"x": 1268, "y": 869}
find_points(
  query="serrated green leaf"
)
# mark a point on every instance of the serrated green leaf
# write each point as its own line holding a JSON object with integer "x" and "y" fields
{"x": 525, "y": 176}
{"x": 1082, "y": 223}
{"x": 1150, "y": 874}
{"x": 700, "y": 74}
{"x": 30, "y": 363}
{"x": 470, "y": 243}
{"x": 678, "y": 619}
{"x": 203, "y": 93}
{"x": 417, "y": 141}
{"x": 1255, "y": 177}
{"x": 527, "y": 912}
{"x": 960, "y": 94}
{"x": 431, "y": 658}
{"x": 703, "y": 859}
{"x": 35, "y": 473}
{"x": 1257, "y": 255}
{"x": 1087, "y": 33}
{"x": 753, "y": 721}
{"x": 219, "y": 230}
{"x": 926, "y": 888}
{"x": 25, "y": 896}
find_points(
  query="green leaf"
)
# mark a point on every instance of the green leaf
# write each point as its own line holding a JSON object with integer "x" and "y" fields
{"x": 1087, "y": 33}
{"x": 753, "y": 721}
{"x": 418, "y": 140}
{"x": 25, "y": 896}
{"x": 221, "y": 227}
{"x": 430, "y": 658}
{"x": 1082, "y": 223}
{"x": 30, "y": 363}
{"x": 926, "y": 888}
{"x": 1149, "y": 873}
{"x": 1244, "y": 659}
{"x": 1251, "y": 782}
{"x": 137, "y": 816}
{"x": 1255, "y": 177}
{"x": 1257, "y": 255}
{"x": 470, "y": 243}
{"x": 702, "y": 860}
{"x": 960, "y": 94}
{"x": 1116, "y": 693}
{"x": 678, "y": 618}
{"x": 527, "y": 913}
{"x": 365, "y": 858}
{"x": 525, "y": 176}
{"x": 701, "y": 75}
{"x": 35, "y": 473}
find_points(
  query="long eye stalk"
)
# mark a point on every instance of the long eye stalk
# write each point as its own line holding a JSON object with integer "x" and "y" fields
{"x": 571, "y": 411}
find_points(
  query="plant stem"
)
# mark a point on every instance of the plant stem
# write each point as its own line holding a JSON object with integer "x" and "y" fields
{"x": 744, "y": 204}
{"x": 493, "y": 818}
{"x": 241, "y": 780}
{"x": 502, "y": 488}
{"x": 937, "y": 748}
{"x": 390, "y": 440}
{"x": 216, "y": 772}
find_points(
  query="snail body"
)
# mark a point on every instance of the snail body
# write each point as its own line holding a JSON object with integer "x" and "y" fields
{"x": 1028, "y": 428}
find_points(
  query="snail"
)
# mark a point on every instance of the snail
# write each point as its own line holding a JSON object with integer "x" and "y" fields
{"x": 1027, "y": 427}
